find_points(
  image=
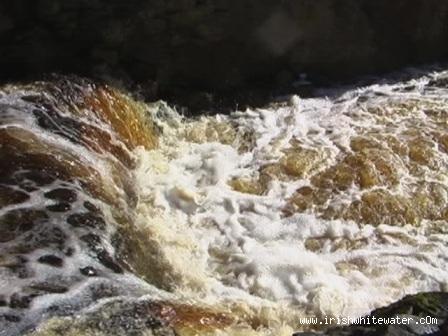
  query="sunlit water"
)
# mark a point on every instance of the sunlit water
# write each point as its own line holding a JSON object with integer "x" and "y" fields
{"x": 328, "y": 206}
{"x": 313, "y": 207}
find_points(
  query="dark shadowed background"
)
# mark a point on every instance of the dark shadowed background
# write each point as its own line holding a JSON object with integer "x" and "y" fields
{"x": 206, "y": 51}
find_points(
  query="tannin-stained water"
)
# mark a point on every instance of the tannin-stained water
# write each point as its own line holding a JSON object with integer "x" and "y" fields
{"x": 327, "y": 207}
{"x": 237, "y": 223}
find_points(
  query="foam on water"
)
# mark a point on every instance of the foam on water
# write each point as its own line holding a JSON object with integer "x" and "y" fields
{"x": 64, "y": 192}
{"x": 313, "y": 207}
{"x": 232, "y": 247}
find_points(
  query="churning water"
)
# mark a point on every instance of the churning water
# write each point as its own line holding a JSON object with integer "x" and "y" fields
{"x": 237, "y": 223}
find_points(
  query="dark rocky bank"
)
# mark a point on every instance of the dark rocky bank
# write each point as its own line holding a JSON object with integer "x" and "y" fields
{"x": 203, "y": 53}
{"x": 143, "y": 317}
{"x": 416, "y": 309}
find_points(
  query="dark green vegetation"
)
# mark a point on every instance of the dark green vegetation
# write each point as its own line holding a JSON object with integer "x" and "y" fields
{"x": 206, "y": 53}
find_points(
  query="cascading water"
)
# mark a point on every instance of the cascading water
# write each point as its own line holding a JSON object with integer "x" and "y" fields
{"x": 233, "y": 224}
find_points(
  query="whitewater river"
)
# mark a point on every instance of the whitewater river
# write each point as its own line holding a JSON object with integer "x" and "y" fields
{"x": 317, "y": 207}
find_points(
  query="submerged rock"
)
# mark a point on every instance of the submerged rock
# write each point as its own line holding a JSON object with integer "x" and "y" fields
{"x": 98, "y": 237}
{"x": 114, "y": 318}
{"x": 61, "y": 141}
{"x": 136, "y": 317}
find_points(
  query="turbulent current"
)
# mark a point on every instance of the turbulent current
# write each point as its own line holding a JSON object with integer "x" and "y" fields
{"x": 120, "y": 217}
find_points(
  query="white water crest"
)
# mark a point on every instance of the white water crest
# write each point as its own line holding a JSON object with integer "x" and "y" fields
{"x": 244, "y": 223}
{"x": 234, "y": 248}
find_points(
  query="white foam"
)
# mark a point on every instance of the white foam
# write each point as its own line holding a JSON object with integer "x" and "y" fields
{"x": 215, "y": 245}
{"x": 238, "y": 247}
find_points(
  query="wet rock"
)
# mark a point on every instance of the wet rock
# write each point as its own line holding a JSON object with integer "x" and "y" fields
{"x": 60, "y": 207}
{"x": 118, "y": 317}
{"x": 106, "y": 259}
{"x": 10, "y": 318}
{"x": 6, "y": 236}
{"x": 19, "y": 301}
{"x": 441, "y": 82}
{"x": 48, "y": 287}
{"x": 69, "y": 251}
{"x": 42, "y": 237}
{"x": 104, "y": 290}
{"x": 9, "y": 196}
{"x": 49, "y": 118}
{"x": 431, "y": 307}
{"x": 94, "y": 243}
{"x": 88, "y": 271}
{"x": 87, "y": 219}
{"x": 36, "y": 178}
{"x": 62, "y": 195}
{"x": 17, "y": 265}
{"x": 51, "y": 260}
{"x": 16, "y": 222}
{"x": 91, "y": 207}
{"x": 22, "y": 272}
{"x": 51, "y": 236}
{"x": 36, "y": 166}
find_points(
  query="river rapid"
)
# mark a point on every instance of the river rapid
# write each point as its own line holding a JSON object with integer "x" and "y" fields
{"x": 234, "y": 224}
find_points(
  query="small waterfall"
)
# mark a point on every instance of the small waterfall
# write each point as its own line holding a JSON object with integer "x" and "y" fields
{"x": 126, "y": 216}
